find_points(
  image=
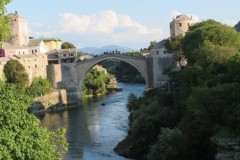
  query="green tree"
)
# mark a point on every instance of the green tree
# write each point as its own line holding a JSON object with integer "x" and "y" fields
{"x": 134, "y": 53}
{"x": 169, "y": 146}
{"x": 39, "y": 87}
{"x": 67, "y": 45}
{"x": 152, "y": 45}
{"x": 4, "y": 27}
{"x": 210, "y": 42}
{"x": 16, "y": 74}
{"x": 174, "y": 45}
{"x": 95, "y": 82}
{"x": 21, "y": 134}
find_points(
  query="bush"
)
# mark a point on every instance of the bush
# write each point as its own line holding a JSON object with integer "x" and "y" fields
{"x": 21, "y": 135}
{"x": 39, "y": 87}
{"x": 169, "y": 146}
{"x": 16, "y": 74}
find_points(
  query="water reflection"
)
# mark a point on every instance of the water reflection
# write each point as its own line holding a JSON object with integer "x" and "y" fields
{"x": 93, "y": 130}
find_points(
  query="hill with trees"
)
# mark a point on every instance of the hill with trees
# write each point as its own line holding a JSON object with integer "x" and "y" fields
{"x": 185, "y": 121}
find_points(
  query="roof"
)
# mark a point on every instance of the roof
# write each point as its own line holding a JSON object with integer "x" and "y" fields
{"x": 15, "y": 15}
{"x": 182, "y": 17}
{"x": 146, "y": 51}
{"x": 20, "y": 56}
{"x": 34, "y": 42}
{"x": 69, "y": 50}
{"x": 45, "y": 39}
{"x": 8, "y": 46}
{"x": 4, "y": 59}
{"x": 160, "y": 44}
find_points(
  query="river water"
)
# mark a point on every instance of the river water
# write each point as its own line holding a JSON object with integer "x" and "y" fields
{"x": 95, "y": 129}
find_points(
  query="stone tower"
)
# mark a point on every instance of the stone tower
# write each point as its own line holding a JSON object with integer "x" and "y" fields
{"x": 180, "y": 25}
{"x": 19, "y": 29}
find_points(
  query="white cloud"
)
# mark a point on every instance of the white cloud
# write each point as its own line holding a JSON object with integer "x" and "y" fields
{"x": 42, "y": 34}
{"x": 107, "y": 26}
{"x": 230, "y": 22}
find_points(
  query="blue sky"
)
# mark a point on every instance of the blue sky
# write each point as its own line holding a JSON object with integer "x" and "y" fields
{"x": 130, "y": 23}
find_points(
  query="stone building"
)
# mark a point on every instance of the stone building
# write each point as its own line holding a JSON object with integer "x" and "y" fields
{"x": 19, "y": 29}
{"x": 62, "y": 56}
{"x": 8, "y": 51}
{"x": 43, "y": 45}
{"x": 35, "y": 65}
{"x": 180, "y": 25}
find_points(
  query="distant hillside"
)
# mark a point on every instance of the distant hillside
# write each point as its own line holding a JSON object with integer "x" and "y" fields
{"x": 109, "y": 48}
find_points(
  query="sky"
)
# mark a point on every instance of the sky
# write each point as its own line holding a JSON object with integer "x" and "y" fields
{"x": 129, "y": 23}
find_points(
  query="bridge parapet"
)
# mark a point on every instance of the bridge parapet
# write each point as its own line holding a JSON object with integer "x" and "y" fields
{"x": 114, "y": 55}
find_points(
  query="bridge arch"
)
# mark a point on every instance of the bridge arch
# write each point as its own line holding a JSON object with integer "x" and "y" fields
{"x": 85, "y": 66}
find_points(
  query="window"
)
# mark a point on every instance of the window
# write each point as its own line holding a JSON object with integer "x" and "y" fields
{"x": 64, "y": 55}
{"x": 35, "y": 66}
{"x": 32, "y": 51}
{"x": 180, "y": 24}
{"x": 157, "y": 52}
{"x": 35, "y": 51}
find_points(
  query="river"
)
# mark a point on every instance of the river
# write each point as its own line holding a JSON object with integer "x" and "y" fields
{"x": 93, "y": 130}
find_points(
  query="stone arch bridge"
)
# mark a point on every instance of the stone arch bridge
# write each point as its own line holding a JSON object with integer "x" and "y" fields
{"x": 140, "y": 63}
{"x": 71, "y": 75}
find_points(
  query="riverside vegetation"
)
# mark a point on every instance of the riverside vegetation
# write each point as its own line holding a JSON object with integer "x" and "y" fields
{"x": 21, "y": 134}
{"x": 181, "y": 122}
{"x": 95, "y": 82}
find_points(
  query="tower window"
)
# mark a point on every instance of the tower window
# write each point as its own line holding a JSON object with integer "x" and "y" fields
{"x": 180, "y": 24}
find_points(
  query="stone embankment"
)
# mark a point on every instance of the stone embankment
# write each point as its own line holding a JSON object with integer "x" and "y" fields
{"x": 57, "y": 100}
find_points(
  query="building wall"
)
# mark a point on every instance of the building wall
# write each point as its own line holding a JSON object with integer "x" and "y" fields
{"x": 35, "y": 66}
{"x": 21, "y": 51}
{"x": 23, "y": 32}
{"x": 7, "y": 52}
{"x": 51, "y": 45}
{"x": 160, "y": 64}
{"x": 3, "y": 61}
{"x": 19, "y": 29}
{"x": 54, "y": 73}
{"x": 180, "y": 26}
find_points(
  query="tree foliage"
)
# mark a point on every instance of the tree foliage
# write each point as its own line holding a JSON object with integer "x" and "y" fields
{"x": 4, "y": 20}
{"x": 169, "y": 145}
{"x": 174, "y": 45}
{"x": 210, "y": 42}
{"x": 21, "y": 135}
{"x": 95, "y": 82}
{"x": 16, "y": 74}
{"x": 204, "y": 105}
{"x": 67, "y": 45}
{"x": 152, "y": 45}
{"x": 39, "y": 87}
